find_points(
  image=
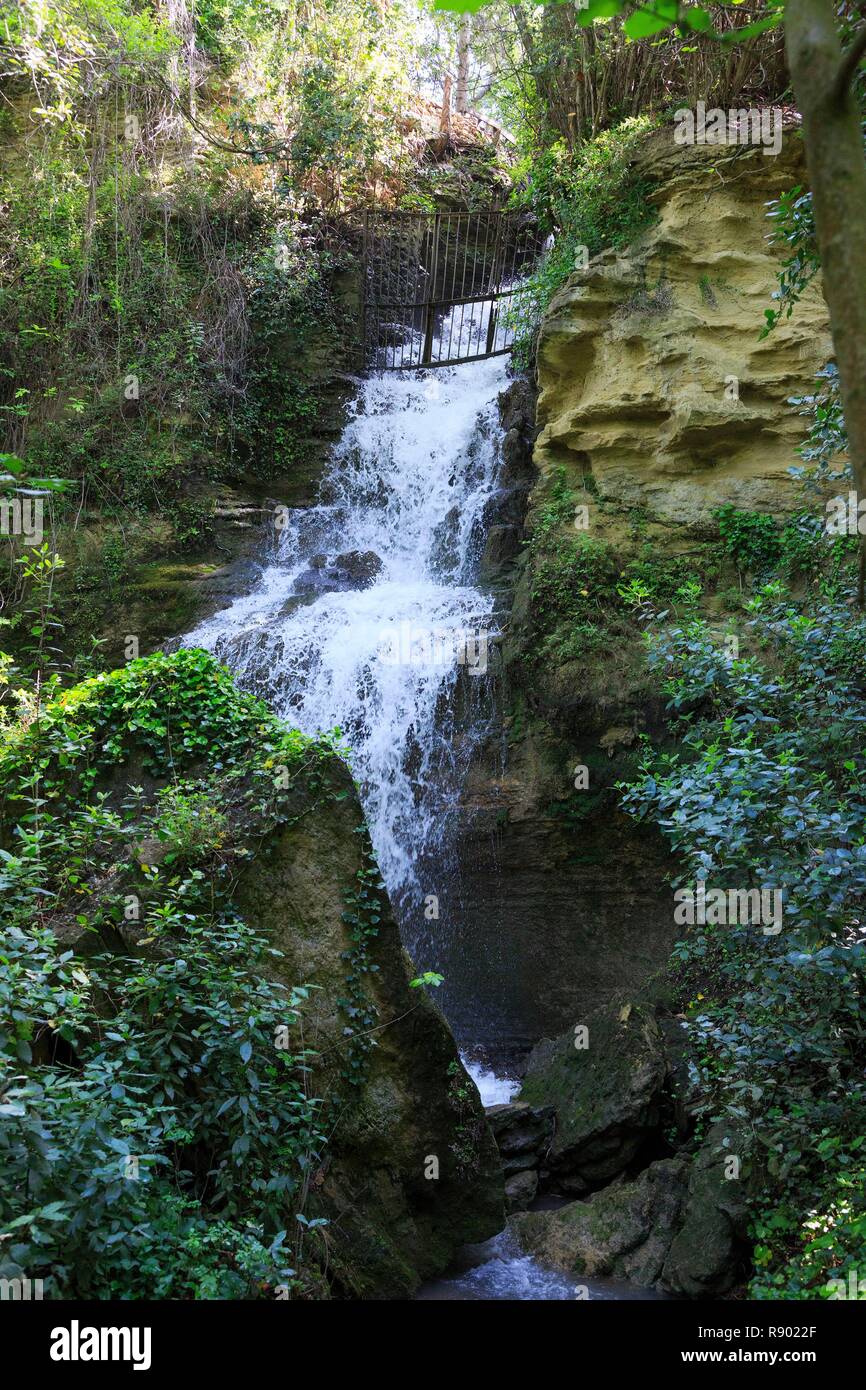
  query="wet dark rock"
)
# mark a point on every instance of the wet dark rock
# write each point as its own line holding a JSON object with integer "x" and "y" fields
{"x": 362, "y": 567}
{"x": 517, "y": 470}
{"x": 503, "y": 528}
{"x": 520, "y": 1190}
{"x": 522, "y": 1132}
{"x": 445, "y": 554}
{"x": 501, "y": 549}
{"x": 292, "y": 604}
{"x": 356, "y": 569}
{"x": 505, "y": 512}
{"x": 680, "y": 1224}
{"x": 607, "y": 1095}
{"x": 506, "y": 506}
{"x": 517, "y": 406}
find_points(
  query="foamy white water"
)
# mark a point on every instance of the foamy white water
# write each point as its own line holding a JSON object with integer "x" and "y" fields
{"x": 404, "y": 498}
{"x": 497, "y": 1270}
{"x": 493, "y": 1089}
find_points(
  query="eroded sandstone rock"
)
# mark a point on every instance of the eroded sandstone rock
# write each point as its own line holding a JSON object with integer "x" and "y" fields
{"x": 653, "y": 377}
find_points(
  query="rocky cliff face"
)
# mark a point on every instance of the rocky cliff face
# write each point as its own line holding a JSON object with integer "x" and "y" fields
{"x": 653, "y": 378}
{"x": 658, "y": 401}
{"x": 411, "y": 1171}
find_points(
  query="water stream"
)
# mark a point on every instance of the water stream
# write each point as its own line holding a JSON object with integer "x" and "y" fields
{"x": 368, "y": 617}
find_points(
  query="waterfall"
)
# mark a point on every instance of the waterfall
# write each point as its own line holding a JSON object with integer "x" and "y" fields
{"x": 368, "y": 617}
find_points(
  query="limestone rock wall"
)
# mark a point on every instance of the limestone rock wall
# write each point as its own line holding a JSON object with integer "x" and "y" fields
{"x": 638, "y": 355}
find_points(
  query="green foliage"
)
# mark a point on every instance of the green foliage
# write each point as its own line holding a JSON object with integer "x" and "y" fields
{"x": 828, "y": 435}
{"x": 751, "y": 539}
{"x": 572, "y": 581}
{"x": 590, "y": 201}
{"x": 149, "y": 345}
{"x": 794, "y": 228}
{"x": 769, "y": 790}
{"x": 581, "y": 592}
{"x": 295, "y": 319}
{"x": 365, "y": 907}
{"x": 429, "y": 980}
{"x": 646, "y": 20}
{"x": 758, "y": 546}
{"x": 155, "y": 1137}
{"x": 190, "y": 819}
{"x": 469, "y": 1126}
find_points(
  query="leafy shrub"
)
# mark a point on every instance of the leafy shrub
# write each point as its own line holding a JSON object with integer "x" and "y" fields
{"x": 828, "y": 435}
{"x": 192, "y": 821}
{"x": 154, "y": 1140}
{"x": 590, "y": 200}
{"x": 794, "y": 229}
{"x": 751, "y": 539}
{"x": 769, "y": 790}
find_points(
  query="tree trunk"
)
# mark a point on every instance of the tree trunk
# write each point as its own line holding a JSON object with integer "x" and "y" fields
{"x": 445, "y": 117}
{"x": 464, "y": 34}
{"x": 837, "y": 175}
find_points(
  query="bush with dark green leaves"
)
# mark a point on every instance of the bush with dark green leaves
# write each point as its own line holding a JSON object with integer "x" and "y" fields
{"x": 153, "y": 1140}
{"x": 768, "y": 790}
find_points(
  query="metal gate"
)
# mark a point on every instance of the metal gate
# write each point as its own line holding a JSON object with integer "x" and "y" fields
{"x": 441, "y": 288}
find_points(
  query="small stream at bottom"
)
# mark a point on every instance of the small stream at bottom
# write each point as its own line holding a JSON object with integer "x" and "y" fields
{"x": 498, "y": 1270}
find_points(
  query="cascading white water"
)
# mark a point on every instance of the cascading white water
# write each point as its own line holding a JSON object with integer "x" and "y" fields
{"x": 402, "y": 504}
{"x": 408, "y": 484}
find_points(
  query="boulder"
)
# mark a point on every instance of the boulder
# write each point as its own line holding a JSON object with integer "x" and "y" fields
{"x": 356, "y": 569}
{"x": 706, "y": 1255}
{"x": 409, "y": 1171}
{"x": 624, "y": 1231}
{"x": 607, "y": 1095}
{"x": 520, "y": 1190}
{"x": 391, "y": 1222}
{"x": 522, "y": 1133}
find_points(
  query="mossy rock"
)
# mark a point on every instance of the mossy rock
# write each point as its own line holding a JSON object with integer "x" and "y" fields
{"x": 607, "y": 1095}
{"x": 623, "y": 1232}
{"x": 707, "y": 1254}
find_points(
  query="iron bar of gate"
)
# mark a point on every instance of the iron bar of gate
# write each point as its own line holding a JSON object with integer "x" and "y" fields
{"x": 364, "y": 296}
{"x": 494, "y": 280}
{"x": 430, "y": 317}
{"x": 418, "y": 267}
